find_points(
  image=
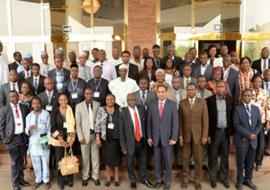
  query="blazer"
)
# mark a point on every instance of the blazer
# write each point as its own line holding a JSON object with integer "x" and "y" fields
{"x": 171, "y": 95}
{"x": 165, "y": 128}
{"x": 21, "y": 76}
{"x": 144, "y": 74}
{"x": 207, "y": 73}
{"x": 233, "y": 82}
{"x": 40, "y": 88}
{"x": 4, "y": 92}
{"x": 52, "y": 74}
{"x": 103, "y": 90}
{"x": 7, "y": 122}
{"x": 133, "y": 71}
{"x": 213, "y": 117}
{"x": 83, "y": 121}
{"x": 149, "y": 97}
{"x": 127, "y": 134}
{"x": 257, "y": 65}
{"x": 242, "y": 128}
{"x": 193, "y": 122}
{"x": 44, "y": 99}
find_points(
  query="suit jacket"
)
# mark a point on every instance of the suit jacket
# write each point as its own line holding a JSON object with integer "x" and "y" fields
{"x": 4, "y": 92}
{"x": 7, "y": 122}
{"x": 207, "y": 73}
{"x": 242, "y": 128}
{"x": 133, "y": 71}
{"x": 83, "y": 121}
{"x": 193, "y": 80}
{"x": 21, "y": 76}
{"x": 233, "y": 82}
{"x": 213, "y": 117}
{"x": 193, "y": 122}
{"x": 52, "y": 75}
{"x": 144, "y": 74}
{"x": 44, "y": 99}
{"x": 127, "y": 134}
{"x": 103, "y": 90}
{"x": 165, "y": 128}
{"x": 172, "y": 96}
{"x": 149, "y": 97}
{"x": 40, "y": 87}
{"x": 257, "y": 65}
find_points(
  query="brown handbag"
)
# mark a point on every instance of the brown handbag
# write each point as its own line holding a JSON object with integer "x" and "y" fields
{"x": 69, "y": 164}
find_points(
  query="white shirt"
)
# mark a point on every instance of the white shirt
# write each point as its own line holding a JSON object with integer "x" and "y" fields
{"x": 192, "y": 100}
{"x": 115, "y": 61}
{"x": 186, "y": 81}
{"x": 218, "y": 62}
{"x": 18, "y": 121}
{"x": 45, "y": 68}
{"x": 16, "y": 86}
{"x": 140, "y": 64}
{"x": 84, "y": 72}
{"x": 27, "y": 74}
{"x": 120, "y": 89}
{"x": 262, "y": 64}
{"x": 145, "y": 94}
{"x": 3, "y": 68}
{"x": 226, "y": 73}
{"x": 168, "y": 78}
{"x": 108, "y": 70}
{"x": 20, "y": 67}
{"x": 203, "y": 69}
{"x": 131, "y": 111}
{"x": 34, "y": 80}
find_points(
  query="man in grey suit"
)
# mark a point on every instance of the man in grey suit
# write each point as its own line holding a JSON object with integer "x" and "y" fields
{"x": 144, "y": 96}
{"x": 203, "y": 68}
{"x": 133, "y": 139}
{"x": 13, "y": 84}
{"x": 187, "y": 77}
{"x": 247, "y": 126}
{"x": 12, "y": 128}
{"x": 85, "y": 121}
{"x": 231, "y": 76}
{"x": 162, "y": 133}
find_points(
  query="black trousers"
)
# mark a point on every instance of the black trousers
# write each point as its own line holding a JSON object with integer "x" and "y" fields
{"x": 139, "y": 155}
{"x": 267, "y": 140}
{"x": 62, "y": 180}
{"x": 17, "y": 151}
{"x": 219, "y": 148}
{"x": 260, "y": 148}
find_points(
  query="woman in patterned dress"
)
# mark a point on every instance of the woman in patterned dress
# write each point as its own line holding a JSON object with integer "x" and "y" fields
{"x": 245, "y": 73}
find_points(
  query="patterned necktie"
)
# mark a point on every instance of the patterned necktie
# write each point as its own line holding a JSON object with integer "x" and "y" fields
{"x": 138, "y": 135}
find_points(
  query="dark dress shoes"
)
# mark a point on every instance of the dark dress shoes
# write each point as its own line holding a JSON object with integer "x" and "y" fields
{"x": 17, "y": 187}
{"x": 96, "y": 182}
{"x": 84, "y": 182}
{"x": 107, "y": 183}
{"x": 239, "y": 186}
{"x": 213, "y": 183}
{"x": 70, "y": 184}
{"x": 36, "y": 185}
{"x": 157, "y": 185}
{"x": 250, "y": 184}
{"x": 225, "y": 183}
{"x": 25, "y": 183}
{"x": 148, "y": 183}
{"x": 133, "y": 186}
{"x": 116, "y": 184}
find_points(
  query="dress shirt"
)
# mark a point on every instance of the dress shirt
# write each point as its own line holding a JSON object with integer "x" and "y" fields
{"x": 11, "y": 84}
{"x": 131, "y": 111}
{"x": 145, "y": 95}
{"x": 249, "y": 117}
{"x": 59, "y": 80}
{"x": 226, "y": 73}
{"x": 45, "y": 68}
{"x": 266, "y": 86}
{"x": 203, "y": 69}
{"x": 36, "y": 81}
{"x": 84, "y": 72}
{"x": 108, "y": 70}
{"x": 139, "y": 64}
{"x": 20, "y": 67}
{"x": 264, "y": 64}
{"x": 221, "y": 111}
{"x": 186, "y": 81}
{"x": 27, "y": 74}
{"x": 18, "y": 120}
{"x": 177, "y": 95}
{"x": 192, "y": 101}
{"x": 115, "y": 61}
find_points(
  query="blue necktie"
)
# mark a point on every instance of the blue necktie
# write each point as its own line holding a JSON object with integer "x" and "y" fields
{"x": 248, "y": 113}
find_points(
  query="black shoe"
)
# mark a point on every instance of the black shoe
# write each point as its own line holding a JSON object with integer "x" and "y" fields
{"x": 17, "y": 188}
{"x": 133, "y": 186}
{"x": 70, "y": 184}
{"x": 107, "y": 183}
{"x": 205, "y": 167}
{"x": 47, "y": 186}
{"x": 25, "y": 183}
{"x": 148, "y": 183}
{"x": 84, "y": 182}
{"x": 167, "y": 186}
{"x": 150, "y": 167}
{"x": 239, "y": 186}
{"x": 250, "y": 184}
{"x": 96, "y": 182}
{"x": 225, "y": 183}
{"x": 157, "y": 185}
{"x": 37, "y": 185}
{"x": 191, "y": 166}
{"x": 213, "y": 183}
{"x": 116, "y": 184}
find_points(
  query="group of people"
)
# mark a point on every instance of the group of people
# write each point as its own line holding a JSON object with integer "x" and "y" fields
{"x": 157, "y": 112}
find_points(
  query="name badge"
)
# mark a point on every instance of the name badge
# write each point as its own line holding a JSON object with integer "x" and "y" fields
{"x": 49, "y": 108}
{"x": 96, "y": 94}
{"x": 65, "y": 125}
{"x": 110, "y": 126}
{"x": 74, "y": 95}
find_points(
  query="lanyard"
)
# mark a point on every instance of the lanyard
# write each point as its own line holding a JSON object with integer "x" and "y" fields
{"x": 74, "y": 87}
{"x": 97, "y": 86}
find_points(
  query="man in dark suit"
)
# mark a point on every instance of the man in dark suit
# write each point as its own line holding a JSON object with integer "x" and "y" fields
{"x": 17, "y": 65}
{"x": 220, "y": 130}
{"x": 133, "y": 139}
{"x": 263, "y": 63}
{"x": 177, "y": 61}
{"x": 162, "y": 132}
{"x": 99, "y": 86}
{"x": 231, "y": 76}
{"x": 247, "y": 125}
{"x": 193, "y": 115}
{"x": 133, "y": 71}
{"x": 74, "y": 87}
{"x": 156, "y": 56}
{"x": 144, "y": 96}
{"x": 27, "y": 62}
{"x": 203, "y": 69}
{"x": 13, "y": 84}
{"x": 12, "y": 128}
{"x": 49, "y": 95}
{"x": 59, "y": 75}
{"x": 36, "y": 80}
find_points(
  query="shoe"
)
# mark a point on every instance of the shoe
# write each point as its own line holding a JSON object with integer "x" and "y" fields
{"x": 166, "y": 186}
{"x": 198, "y": 186}
{"x": 239, "y": 186}
{"x": 107, "y": 183}
{"x": 133, "y": 186}
{"x": 184, "y": 184}
{"x": 225, "y": 183}
{"x": 25, "y": 183}
{"x": 205, "y": 167}
{"x": 250, "y": 184}
{"x": 148, "y": 183}
{"x": 213, "y": 183}
{"x": 70, "y": 184}
{"x": 47, "y": 186}
{"x": 157, "y": 185}
{"x": 17, "y": 188}
{"x": 84, "y": 182}
{"x": 191, "y": 166}
{"x": 36, "y": 185}
{"x": 116, "y": 184}
{"x": 258, "y": 168}
{"x": 96, "y": 182}
{"x": 150, "y": 167}
{"x": 267, "y": 152}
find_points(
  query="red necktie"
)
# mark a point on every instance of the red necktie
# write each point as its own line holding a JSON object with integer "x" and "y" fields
{"x": 160, "y": 109}
{"x": 138, "y": 135}
{"x": 17, "y": 111}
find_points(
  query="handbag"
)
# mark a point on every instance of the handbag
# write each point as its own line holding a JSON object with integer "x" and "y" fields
{"x": 69, "y": 164}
